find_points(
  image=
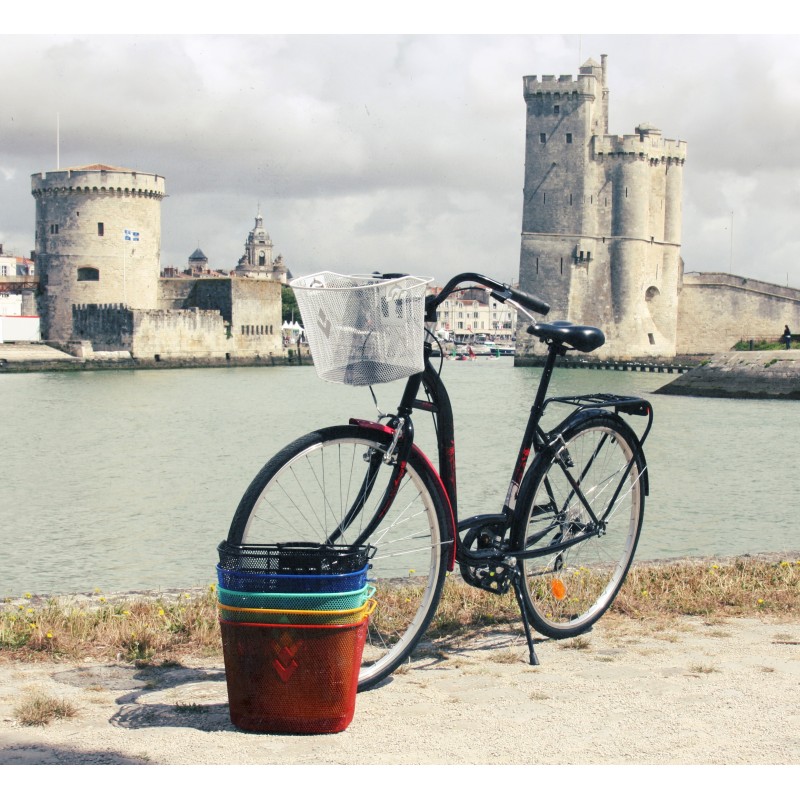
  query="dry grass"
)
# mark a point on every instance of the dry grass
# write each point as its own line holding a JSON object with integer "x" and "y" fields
{"x": 142, "y": 630}
{"x": 38, "y": 708}
{"x": 158, "y": 629}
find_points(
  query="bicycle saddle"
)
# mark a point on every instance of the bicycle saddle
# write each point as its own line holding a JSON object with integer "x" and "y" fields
{"x": 581, "y": 337}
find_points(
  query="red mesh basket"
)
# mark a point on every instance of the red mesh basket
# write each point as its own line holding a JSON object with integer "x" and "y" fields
{"x": 292, "y": 678}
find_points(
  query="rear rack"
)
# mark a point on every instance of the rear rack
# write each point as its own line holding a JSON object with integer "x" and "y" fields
{"x": 620, "y": 403}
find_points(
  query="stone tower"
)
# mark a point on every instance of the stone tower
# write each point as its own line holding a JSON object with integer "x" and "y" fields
{"x": 98, "y": 241}
{"x": 601, "y": 219}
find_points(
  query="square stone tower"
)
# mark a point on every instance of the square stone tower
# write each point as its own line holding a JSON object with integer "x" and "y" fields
{"x": 601, "y": 217}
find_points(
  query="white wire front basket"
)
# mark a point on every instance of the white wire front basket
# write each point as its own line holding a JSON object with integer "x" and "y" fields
{"x": 363, "y": 330}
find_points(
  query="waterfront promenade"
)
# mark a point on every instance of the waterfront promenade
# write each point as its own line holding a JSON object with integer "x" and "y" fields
{"x": 41, "y": 357}
{"x": 694, "y": 691}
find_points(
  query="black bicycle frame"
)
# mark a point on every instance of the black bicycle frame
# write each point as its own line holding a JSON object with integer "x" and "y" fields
{"x": 533, "y": 439}
{"x": 438, "y": 404}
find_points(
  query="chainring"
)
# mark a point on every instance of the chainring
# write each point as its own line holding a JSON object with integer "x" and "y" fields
{"x": 489, "y": 576}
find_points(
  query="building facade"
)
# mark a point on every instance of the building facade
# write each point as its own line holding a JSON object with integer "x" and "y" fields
{"x": 467, "y": 316}
{"x": 601, "y": 221}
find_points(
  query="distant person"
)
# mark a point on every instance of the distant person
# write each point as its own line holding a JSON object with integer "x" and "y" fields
{"x": 787, "y": 337}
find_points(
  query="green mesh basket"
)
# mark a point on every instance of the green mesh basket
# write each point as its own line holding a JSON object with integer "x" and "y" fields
{"x": 326, "y": 601}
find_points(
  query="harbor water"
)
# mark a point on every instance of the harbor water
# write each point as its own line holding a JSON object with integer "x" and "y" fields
{"x": 127, "y": 480}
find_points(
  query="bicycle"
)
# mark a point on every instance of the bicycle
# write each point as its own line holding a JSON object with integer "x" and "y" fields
{"x": 567, "y": 532}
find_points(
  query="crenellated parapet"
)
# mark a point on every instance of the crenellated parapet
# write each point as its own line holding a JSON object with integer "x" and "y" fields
{"x": 98, "y": 179}
{"x": 647, "y": 144}
{"x": 586, "y": 86}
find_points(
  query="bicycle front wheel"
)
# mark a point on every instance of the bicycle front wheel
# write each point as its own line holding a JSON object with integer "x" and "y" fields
{"x": 583, "y": 489}
{"x": 330, "y": 484}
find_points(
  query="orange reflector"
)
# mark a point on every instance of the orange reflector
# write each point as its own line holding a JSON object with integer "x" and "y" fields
{"x": 558, "y": 589}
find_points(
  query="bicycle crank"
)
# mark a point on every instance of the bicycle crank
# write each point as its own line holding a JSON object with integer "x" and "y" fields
{"x": 489, "y": 574}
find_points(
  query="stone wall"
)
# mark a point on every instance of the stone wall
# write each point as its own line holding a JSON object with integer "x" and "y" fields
{"x": 178, "y": 334}
{"x": 716, "y": 310}
{"x": 108, "y": 326}
{"x": 256, "y": 315}
{"x": 206, "y": 318}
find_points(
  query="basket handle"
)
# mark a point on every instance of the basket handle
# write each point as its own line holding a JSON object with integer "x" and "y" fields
{"x": 371, "y": 605}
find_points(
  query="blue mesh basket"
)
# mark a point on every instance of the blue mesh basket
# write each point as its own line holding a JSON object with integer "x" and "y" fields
{"x": 241, "y": 581}
{"x": 325, "y": 601}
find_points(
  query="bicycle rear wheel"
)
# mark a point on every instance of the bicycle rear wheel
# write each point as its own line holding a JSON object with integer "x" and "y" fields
{"x": 306, "y": 491}
{"x": 567, "y": 591}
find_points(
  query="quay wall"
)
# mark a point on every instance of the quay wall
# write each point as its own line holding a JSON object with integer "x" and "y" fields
{"x": 717, "y": 310}
{"x": 750, "y": 375}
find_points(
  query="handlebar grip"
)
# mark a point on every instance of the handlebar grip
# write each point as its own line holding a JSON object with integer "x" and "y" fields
{"x": 529, "y": 301}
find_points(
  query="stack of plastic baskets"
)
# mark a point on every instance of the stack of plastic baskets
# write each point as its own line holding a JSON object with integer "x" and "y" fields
{"x": 294, "y": 621}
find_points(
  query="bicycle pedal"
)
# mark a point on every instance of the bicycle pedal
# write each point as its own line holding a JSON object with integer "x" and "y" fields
{"x": 489, "y": 577}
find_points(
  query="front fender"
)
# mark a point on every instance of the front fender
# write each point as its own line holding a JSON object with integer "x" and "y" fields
{"x": 449, "y": 536}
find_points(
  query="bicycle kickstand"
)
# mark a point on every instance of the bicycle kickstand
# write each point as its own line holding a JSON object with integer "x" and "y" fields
{"x": 534, "y": 661}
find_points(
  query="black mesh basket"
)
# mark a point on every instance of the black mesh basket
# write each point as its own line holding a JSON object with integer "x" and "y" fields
{"x": 296, "y": 558}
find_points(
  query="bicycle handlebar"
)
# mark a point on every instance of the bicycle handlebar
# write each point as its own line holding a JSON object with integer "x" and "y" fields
{"x": 500, "y": 291}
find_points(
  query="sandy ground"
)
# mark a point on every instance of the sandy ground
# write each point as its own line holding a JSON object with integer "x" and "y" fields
{"x": 724, "y": 693}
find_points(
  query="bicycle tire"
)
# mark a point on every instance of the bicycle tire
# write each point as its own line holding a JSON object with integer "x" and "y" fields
{"x": 303, "y": 493}
{"x": 566, "y": 592}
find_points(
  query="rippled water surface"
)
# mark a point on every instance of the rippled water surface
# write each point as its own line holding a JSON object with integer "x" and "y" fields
{"x": 128, "y": 480}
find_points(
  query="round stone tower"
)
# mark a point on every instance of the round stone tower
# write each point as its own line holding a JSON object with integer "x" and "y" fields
{"x": 98, "y": 240}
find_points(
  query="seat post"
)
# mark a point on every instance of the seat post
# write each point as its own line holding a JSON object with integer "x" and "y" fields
{"x": 554, "y": 349}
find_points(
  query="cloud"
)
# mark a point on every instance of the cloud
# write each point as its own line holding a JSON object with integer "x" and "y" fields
{"x": 393, "y": 151}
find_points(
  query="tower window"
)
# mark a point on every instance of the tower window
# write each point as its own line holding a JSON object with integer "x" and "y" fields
{"x": 556, "y": 109}
{"x": 543, "y": 138}
{"x": 54, "y": 229}
{"x": 100, "y": 229}
{"x": 88, "y": 274}
{"x": 569, "y": 138}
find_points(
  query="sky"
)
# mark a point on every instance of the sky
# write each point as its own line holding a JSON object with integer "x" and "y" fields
{"x": 397, "y": 152}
